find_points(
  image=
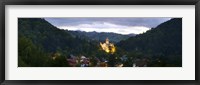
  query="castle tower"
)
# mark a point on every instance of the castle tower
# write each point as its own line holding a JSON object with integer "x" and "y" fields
{"x": 107, "y": 41}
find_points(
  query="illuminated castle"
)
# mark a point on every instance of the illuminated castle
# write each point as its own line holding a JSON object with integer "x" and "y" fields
{"x": 107, "y": 46}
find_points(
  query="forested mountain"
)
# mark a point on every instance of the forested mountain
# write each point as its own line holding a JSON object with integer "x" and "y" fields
{"x": 38, "y": 37}
{"x": 113, "y": 37}
{"x": 49, "y": 37}
{"x": 164, "y": 40}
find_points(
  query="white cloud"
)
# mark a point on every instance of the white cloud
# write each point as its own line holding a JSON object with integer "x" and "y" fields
{"x": 107, "y": 27}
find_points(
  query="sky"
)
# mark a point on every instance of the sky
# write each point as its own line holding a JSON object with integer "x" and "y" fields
{"x": 120, "y": 25}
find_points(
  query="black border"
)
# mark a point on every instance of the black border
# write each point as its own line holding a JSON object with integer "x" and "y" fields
{"x": 98, "y": 2}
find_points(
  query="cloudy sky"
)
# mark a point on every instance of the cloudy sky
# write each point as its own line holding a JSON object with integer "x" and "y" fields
{"x": 116, "y": 25}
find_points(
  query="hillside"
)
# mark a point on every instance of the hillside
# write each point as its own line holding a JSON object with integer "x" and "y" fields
{"x": 113, "y": 37}
{"x": 42, "y": 38}
{"x": 164, "y": 40}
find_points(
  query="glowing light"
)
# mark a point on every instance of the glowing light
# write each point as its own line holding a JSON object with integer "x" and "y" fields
{"x": 108, "y": 47}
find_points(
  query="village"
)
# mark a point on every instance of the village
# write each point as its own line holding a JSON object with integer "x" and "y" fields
{"x": 109, "y": 48}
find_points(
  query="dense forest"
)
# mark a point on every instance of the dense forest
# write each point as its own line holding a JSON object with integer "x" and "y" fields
{"x": 40, "y": 44}
{"x": 113, "y": 37}
{"x": 163, "y": 42}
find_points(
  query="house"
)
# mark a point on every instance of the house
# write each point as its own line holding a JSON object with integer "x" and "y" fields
{"x": 84, "y": 61}
{"x": 72, "y": 60}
